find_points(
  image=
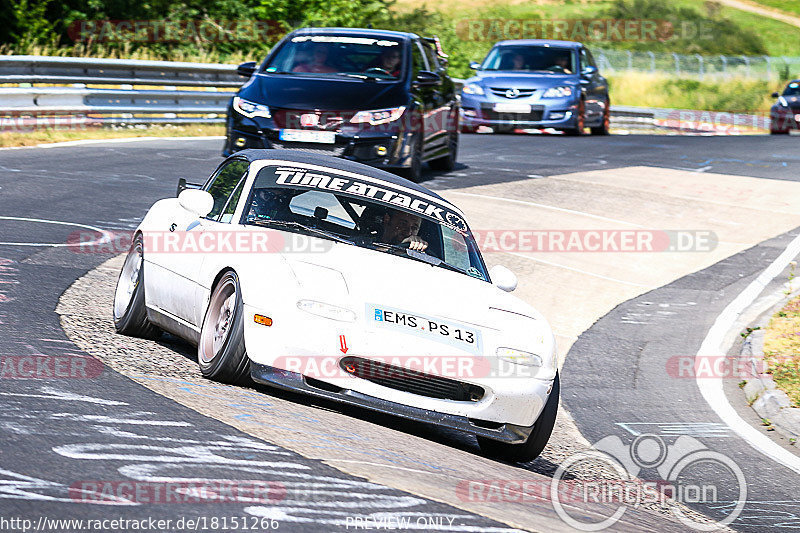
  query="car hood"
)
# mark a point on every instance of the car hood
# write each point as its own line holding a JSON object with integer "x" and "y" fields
{"x": 522, "y": 80}
{"x": 323, "y": 94}
{"x": 359, "y": 277}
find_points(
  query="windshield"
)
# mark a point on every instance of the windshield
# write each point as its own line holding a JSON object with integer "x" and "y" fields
{"x": 369, "y": 214}
{"x": 336, "y": 55}
{"x": 530, "y": 58}
{"x": 793, "y": 89}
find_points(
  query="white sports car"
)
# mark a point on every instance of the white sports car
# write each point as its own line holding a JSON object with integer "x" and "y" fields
{"x": 339, "y": 280}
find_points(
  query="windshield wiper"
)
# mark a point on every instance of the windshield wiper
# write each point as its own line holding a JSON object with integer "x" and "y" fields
{"x": 285, "y": 224}
{"x": 365, "y": 77}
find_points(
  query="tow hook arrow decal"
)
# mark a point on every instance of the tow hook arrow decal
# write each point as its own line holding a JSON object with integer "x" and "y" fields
{"x": 343, "y": 344}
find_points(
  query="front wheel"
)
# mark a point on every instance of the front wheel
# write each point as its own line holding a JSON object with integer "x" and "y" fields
{"x": 221, "y": 352}
{"x": 448, "y": 162}
{"x": 414, "y": 172}
{"x": 605, "y": 127}
{"x": 130, "y": 313}
{"x": 531, "y": 448}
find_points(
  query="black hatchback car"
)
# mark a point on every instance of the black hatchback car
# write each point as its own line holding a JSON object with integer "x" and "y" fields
{"x": 382, "y": 98}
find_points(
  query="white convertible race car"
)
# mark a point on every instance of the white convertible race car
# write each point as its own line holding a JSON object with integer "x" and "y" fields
{"x": 339, "y": 280}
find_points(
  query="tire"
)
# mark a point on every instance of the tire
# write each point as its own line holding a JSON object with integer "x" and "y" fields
{"x": 605, "y": 126}
{"x": 578, "y": 130}
{"x": 448, "y": 162}
{"x": 129, "y": 311}
{"x": 414, "y": 172}
{"x": 221, "y": 352}
{"x": 531, "y": 448}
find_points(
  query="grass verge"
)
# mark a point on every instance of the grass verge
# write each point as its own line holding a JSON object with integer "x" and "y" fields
{"x": 52, "y": 135}
{"x": 782, "y": 349}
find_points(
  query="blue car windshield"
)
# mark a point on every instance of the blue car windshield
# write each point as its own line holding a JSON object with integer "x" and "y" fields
{"x": 793, "y": 89}
{"x": 339, "y": 55}
{"x": 529, "y": 58}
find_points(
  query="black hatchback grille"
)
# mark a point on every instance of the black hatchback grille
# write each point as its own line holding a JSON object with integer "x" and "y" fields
{"x": 335, "y": 150}
{"x": 402, "y": 379}
{"x": 534, "y": 116}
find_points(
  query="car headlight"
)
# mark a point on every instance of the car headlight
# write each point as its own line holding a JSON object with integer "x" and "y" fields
{"x": 378, "y": 116}
{"x": 250, "y": 109}
{"x": 519, "y": 357}
{"x": 782, "y": 102}
{"x": 324, "y": 310}
{"x": 472, "y": 88}
{"x": 558, "y": 92}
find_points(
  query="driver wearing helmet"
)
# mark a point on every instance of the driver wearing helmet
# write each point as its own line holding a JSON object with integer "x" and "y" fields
{"x": 270, "y": 204}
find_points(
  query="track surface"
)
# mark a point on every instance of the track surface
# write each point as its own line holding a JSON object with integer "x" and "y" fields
{"x": 59, "y": 432}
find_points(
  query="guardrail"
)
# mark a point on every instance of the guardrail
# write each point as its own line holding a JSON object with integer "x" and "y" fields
{"x": 169, "y": 105}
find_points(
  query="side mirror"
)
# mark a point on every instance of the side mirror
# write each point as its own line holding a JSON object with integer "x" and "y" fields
{"x": 775, "y": 94}
{"x": 474, "y": 65}
{"x": 589, "y": 71}
{"x": 246, "y": 69}
{"x": 426, "y": 78}
{"x": 183, "y": 185}
{"x": 196, "y": 201}
{"x": 503, "y": 278}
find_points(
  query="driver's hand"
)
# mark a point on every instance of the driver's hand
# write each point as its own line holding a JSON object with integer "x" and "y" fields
{"x": 416, "y": 243}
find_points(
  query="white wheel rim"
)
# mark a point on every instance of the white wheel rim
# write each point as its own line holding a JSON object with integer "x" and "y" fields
{"x": 218, "y": 322}
{"x": 128, "y": 281}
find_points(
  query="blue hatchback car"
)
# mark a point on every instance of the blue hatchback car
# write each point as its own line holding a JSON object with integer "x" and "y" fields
{"x": 536, "y": 84}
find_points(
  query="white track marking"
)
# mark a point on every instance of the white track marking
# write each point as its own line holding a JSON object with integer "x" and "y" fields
{"x": 711, "y": 388}
{"x": 544, "y": 206}
{"x": 578, "y": 270}
{"x": 121, "y": 140}
{"x": 55, "y": 394}
{"x": 106, "y": 236}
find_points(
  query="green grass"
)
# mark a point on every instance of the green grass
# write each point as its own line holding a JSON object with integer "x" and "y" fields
{"x": 790, "y": 7}
{"x": 782, "y": 349}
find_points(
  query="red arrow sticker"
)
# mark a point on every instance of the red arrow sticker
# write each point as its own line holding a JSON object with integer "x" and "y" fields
{"x": 342, "y": 344}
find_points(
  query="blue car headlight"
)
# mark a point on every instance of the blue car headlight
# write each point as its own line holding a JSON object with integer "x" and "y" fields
{"x": 558, "y": 92}
{"x": 250, "y": 109}
{"x": 782, "y": 102}
{"x": 472, "y": 88}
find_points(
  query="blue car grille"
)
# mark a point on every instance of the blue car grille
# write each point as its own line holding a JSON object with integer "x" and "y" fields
{"x": 503, "y": 92}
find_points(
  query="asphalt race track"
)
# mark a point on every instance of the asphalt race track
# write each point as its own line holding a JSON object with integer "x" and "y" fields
{"x": 139, "y": 412}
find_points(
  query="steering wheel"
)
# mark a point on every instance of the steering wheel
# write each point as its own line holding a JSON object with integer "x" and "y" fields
{"x": 556, "y": 68}
{"x": 378, "y": 69}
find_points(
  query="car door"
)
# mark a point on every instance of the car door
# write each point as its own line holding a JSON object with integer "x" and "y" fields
{"x": 436, "y": 133}
{"x": 423, "y": 94}
{"x": 594, "y": 86}
{"x": 180, "y": 260}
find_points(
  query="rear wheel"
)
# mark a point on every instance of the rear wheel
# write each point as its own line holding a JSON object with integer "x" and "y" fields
{"x": 605, "y": 126}
{"x": 580, "y": 120}
{"x": 531, "y": 448}
{"x": 221, "y": 352}
{"x": 130, "y": 313}
{"x": 448, "y": 162}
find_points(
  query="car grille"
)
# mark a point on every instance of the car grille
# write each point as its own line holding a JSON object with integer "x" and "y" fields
{"x": 534, "y": 116}
{"x": 402, "y": 379}
{"x": 336, "y": 150}
{"x": 501, "y": 91}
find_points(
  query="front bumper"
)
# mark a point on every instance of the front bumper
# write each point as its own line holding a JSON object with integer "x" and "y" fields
{"x": 293, "y": 381}
{"x": 557, "y": 113}
{"x": 784, "y": 119}
{"x": 383, "y": 147}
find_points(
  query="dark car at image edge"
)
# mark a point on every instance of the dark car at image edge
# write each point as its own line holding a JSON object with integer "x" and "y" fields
{"x": 330, "y": 91}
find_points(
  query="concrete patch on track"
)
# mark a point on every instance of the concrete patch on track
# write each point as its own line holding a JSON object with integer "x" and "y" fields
{"x": 573, "y": 288}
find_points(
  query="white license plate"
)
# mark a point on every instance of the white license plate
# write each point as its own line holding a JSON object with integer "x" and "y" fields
{"x": 444, "y": 331}
{"x": 308, "y": 136}
{"x": 512, "y": 108}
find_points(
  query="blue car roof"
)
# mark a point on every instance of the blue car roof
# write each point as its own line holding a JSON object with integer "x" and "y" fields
{"x": 540, "y": 42}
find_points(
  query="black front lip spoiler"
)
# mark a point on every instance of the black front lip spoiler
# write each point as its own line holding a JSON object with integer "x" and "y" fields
{"x": 296, "y": 382}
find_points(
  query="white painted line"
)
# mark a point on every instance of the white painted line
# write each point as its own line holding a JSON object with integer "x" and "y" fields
{"x": 543, "y": 206}
{"x": 84, "y": 142}
{"x": 578, "y": 270}
{"x": 711, "y": 388}
{"x": 106, "y": 236}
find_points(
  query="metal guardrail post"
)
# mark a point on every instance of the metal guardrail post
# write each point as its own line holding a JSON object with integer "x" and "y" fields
{"x": 652, "y": 61}
{"x": 677, "y": 63}
{"x": 700, "y": 64}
